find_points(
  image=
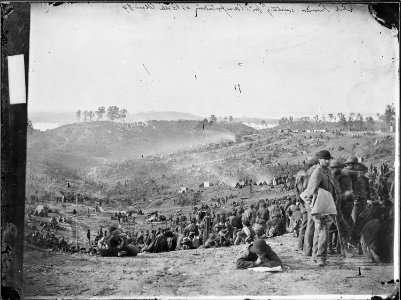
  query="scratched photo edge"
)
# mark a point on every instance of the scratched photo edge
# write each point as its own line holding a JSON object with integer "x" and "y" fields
{"x": 397, "y": 187}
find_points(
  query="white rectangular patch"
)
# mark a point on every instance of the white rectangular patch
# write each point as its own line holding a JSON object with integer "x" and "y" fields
{"x": 16, "y": 79}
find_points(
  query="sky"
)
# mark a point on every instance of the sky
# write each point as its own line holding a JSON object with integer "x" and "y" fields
{"x": 249, "y": 60}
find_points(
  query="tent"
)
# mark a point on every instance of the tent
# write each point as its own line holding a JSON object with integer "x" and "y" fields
{"x": 41, "y": 210}
{"x": 183, "y": 190}
{"x": 152, "y": 218}
{"x": 205, "y": 184}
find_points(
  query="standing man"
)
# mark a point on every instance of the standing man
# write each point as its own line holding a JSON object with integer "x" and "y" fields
{"x": 88, "y": 235}
{"x": 305, "y": 236}
{"x": 343, "y": 192}
{"x": 248, "y": 214}
{"x": 310, "y": 225}
{"x": 322, "y": 208}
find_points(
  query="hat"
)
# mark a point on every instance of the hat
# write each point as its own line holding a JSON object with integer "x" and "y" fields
{"x": 323, "y": 154}
{"x": 258, "y": 246}
{"x": 351, "y": 160}
{"x": 335, "y": 163}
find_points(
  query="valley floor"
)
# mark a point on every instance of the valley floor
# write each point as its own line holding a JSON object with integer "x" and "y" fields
{"x": 209, "y": 272}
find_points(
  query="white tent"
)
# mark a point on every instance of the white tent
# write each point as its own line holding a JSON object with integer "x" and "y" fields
{"x": 41, "y": 209}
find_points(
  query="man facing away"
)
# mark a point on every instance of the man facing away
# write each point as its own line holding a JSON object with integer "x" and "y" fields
{"x": 258, "y": 254}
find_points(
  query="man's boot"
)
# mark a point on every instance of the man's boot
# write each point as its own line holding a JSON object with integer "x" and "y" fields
{"x": 321, "y": 262}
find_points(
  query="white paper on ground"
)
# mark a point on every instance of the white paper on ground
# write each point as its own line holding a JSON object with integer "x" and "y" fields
{"x": 266, "y": 269}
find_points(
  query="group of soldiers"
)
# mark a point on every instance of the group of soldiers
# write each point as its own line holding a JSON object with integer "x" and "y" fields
{"x": 348, "y": 219}
{"x": 267, "y": 218}
{"x": 339, "y": 207}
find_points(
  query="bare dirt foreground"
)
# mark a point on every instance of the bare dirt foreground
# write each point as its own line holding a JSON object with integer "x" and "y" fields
{"x": 199, "y": 272}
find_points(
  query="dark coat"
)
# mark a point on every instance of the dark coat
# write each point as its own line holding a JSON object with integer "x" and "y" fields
{"x": 246, "y": 258}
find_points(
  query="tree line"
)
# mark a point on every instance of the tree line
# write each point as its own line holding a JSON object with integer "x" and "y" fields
{"x": 353, "y": 119}
{"x": 112, "y": 113}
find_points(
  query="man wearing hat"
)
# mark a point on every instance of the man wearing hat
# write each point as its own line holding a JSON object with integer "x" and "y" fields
{"x": 344, "y": 180}
{"x": 373, "y": 186}
{"x": 351, "y": 165}
{"x": 258, "y": 254}
{"x": 361, "y": 191}
{"x": 344, "y": 202}
{"x": 321, "y": 178}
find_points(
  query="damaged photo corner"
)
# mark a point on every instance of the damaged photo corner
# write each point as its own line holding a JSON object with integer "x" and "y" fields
{"x": 151, "y": 126}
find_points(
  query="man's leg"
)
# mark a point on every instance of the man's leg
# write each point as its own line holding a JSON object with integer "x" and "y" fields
{"x": 302, "y": 230}
{"x": 309, "y": 232}
{"x": 345, "y": 232}
{"x": 322, "y": 225}
{"x": 332, "y": 240}
{"x": 131, "y": 250}
{"x": 315, "y": 238}
{"x": 356, "y": 210}
{"x": 240, "y": 236}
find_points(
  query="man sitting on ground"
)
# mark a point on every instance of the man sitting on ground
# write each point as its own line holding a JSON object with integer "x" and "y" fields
{"x": 258, "y": 254}
{"x": 115, "y": 245}
{"x": 246, "y": 235}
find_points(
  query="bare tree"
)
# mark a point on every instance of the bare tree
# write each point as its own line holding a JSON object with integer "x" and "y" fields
{"x": 123, "y": 114}
{"x": 100, "y": 112}
{"x": 91, "y": 114}
{"x": 85, "y": 113}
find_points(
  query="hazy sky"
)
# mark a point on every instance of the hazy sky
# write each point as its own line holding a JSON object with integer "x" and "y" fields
{"x": 240, "y": 63}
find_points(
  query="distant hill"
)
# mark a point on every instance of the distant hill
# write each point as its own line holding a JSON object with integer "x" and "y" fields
{"x": 256, "y": 120}
{"x": 161, "y": 116}
{"x": 52, "y": 117}
{"x": 88, "y": 142}
{"x": 63, "y": 118}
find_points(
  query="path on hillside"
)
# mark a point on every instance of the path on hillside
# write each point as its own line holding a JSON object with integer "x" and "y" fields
{"x": 199, "y": 272}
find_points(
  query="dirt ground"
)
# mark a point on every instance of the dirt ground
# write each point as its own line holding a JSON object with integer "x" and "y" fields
{"x": 199, "y": 272}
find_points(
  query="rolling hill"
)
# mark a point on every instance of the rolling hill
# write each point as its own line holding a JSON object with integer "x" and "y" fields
{"x": 153, "y": 159}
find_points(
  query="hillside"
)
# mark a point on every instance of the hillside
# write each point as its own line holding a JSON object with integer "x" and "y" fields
{"x": 153, "y": 183}
{"x": 73, "y": 151}
{"x": 104, "y": 159}
{"x": 118, "y": 141}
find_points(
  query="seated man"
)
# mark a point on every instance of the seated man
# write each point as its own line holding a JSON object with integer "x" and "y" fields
{"x": 115, "y": 245}
{"x": 258, "y": 254}
{"x": 214, "y": 238}
{"x": 227, "y": 235}
{"x": 246, "y": 235}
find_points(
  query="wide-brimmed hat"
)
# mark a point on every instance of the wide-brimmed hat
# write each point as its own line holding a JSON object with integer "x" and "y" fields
{"x": 258, "y": 246}
{"x": 351, "y": 160}
{"x": 335, "y": 163}
{"x": 324, "y": 154}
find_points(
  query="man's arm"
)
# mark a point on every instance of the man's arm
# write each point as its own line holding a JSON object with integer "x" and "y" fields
{"x": 243, "y": 261}
{"x": 272, "y": 258}
{"x": 313, "y": 183}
